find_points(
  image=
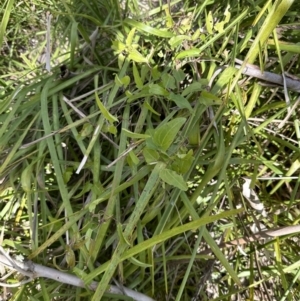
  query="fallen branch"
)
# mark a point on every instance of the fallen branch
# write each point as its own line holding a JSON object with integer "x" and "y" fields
{"x": 33, "y": 270}
{"x": 292, "y": 83}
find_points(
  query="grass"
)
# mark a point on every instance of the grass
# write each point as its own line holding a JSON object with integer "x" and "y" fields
{"x": 125, "y": 160}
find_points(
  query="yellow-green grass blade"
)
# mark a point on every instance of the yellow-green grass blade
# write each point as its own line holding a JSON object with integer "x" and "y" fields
{"x": 5, "y": 19}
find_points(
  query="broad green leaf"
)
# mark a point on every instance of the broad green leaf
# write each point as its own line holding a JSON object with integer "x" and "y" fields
{"x": 118, "y": 47}
{"x": 193, "y": 52}
{"x": 185, "y": 24}
{"x": 194, "y": 87}
{"x": 122, "y": 82}
{"x": 172, "y": 178}
{"x": 142, "y": 94}
{"x": 150, "y": 155}
{"x": 183, "y": 162}
{"x": 70, "y": 257}
{"x": 178, "y": 40}
{"x": 125, "y": 81}
{"x": 121, "y": 60}
{"x": 179, "y": 76}
{"x": 104, "y": 111}
{"x": 145, "y": 72}
{"x": 165, "y": 134}
{"x": 133, "y": 158}
{"x": 209, "y": 99}
{"x": 150, "y": 54}
{"x": 118, "y": 81}
{"x": 135, "y": 135}
{"x": 130, "y": 37}
{"x": 87, "y": 129}
{"x": 194, "y": 134}
{"x": 67, "y": 174}
{"x": 26, "y": 178}
{"x": 227, "y": 14}
{"x": 169, "y": 20}
{"x": 219, "y": 27}
{"x": 168, "y": 81}
{"x": 136, "y": 76}
{"x": 155, "y": 73}
{"x": 157, "y": 90}
{"x": 109, "y": 128}
{"x": 149, "y": 29}
{"x": 224, "y": 78}
{"x": 136, "y": 56}
{"x": 128, "y": 94}
{"x": 196, "y": 35}
{"x": 151, "y": 145}
{"x": 180, "y": 101}
{"x": 209, "y": 23}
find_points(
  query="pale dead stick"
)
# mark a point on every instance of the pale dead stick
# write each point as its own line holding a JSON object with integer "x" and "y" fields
{"x": 33, "y": 270}
{"x": 253, "y": 70}
{"x": 286, "y": 81}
